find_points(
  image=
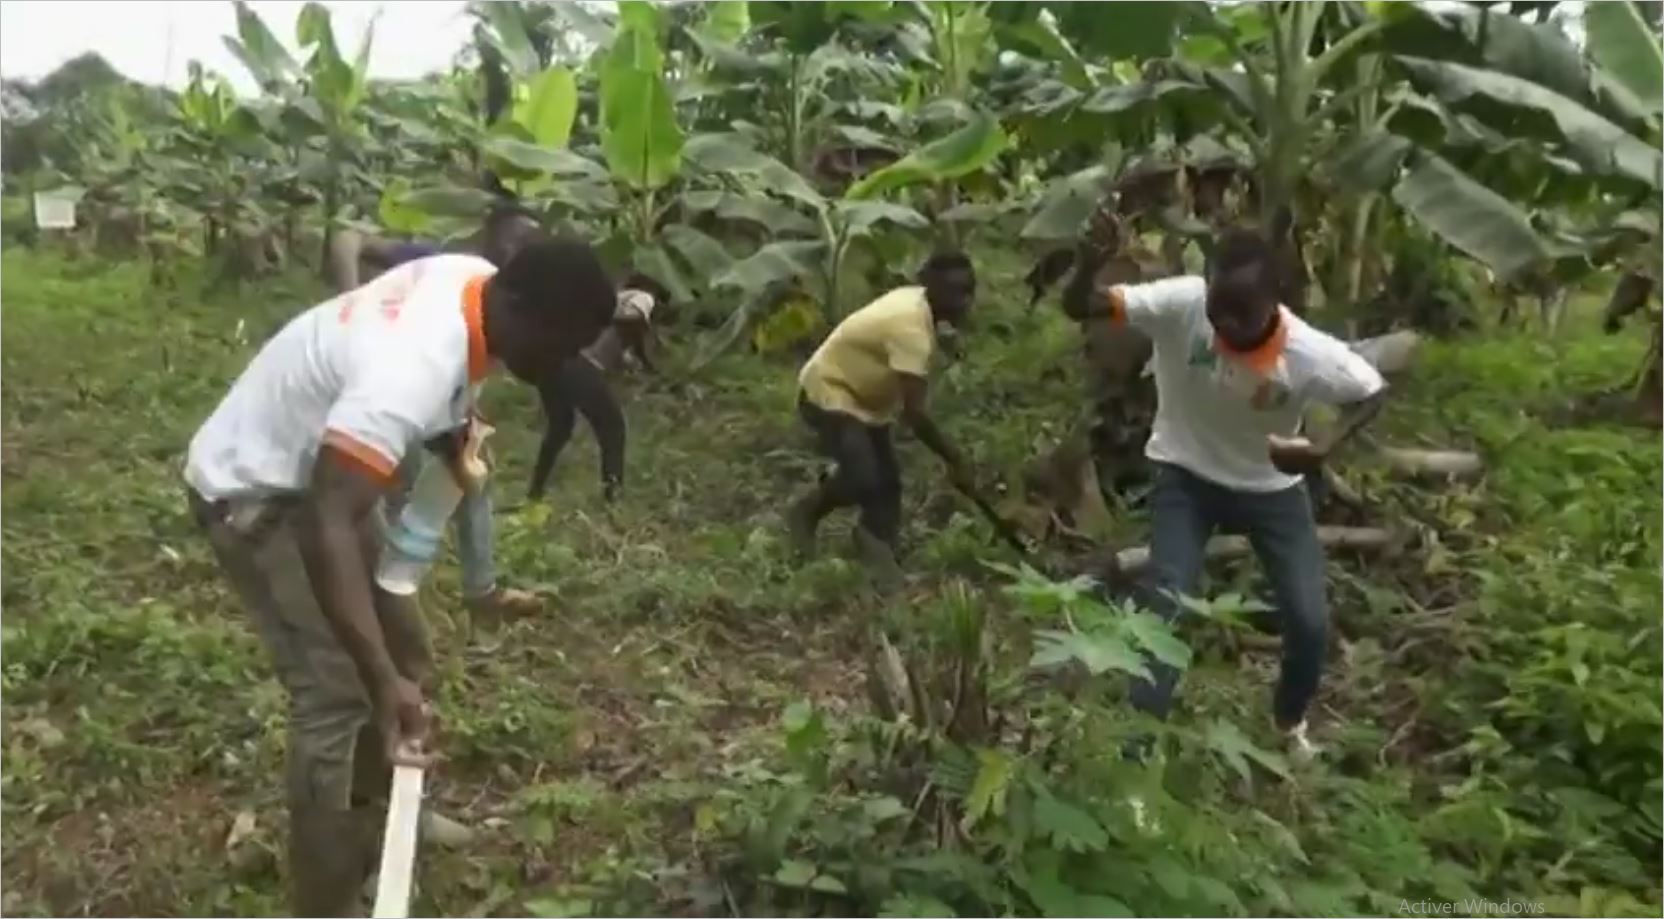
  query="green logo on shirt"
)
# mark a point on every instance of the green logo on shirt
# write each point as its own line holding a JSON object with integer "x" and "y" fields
{"x": 1202, "y": 353}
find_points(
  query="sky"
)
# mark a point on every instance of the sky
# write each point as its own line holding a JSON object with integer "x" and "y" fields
{"x": 153, "y": 41}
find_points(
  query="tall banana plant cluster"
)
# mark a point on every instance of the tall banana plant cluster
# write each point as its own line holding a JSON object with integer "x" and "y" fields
{"x": 739, "y": 152}
{"x": 771, "y": 162}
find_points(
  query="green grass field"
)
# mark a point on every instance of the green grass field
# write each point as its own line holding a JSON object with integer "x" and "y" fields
{"x": 1492, "y": 703}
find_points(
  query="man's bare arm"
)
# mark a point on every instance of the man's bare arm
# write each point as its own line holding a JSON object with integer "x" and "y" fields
{"x": 913, "y": 393}
{"x": 341, "y": 495}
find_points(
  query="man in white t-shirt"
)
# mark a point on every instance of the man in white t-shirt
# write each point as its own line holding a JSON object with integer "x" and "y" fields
{"x": 286, "y": 476}
{"x": 1235, "y": 371}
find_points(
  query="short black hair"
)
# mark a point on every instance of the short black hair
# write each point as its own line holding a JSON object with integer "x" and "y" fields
{"x": 505, "y": 209}
{"x": 941, "y": 263}
{"x": 641, "y": 281}
{"x": 559, "y": 278}
{"x": 1237, "y": 249}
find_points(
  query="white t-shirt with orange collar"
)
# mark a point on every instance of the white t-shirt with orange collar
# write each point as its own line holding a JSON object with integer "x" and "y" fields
{"x": 373, "y": 373}
{"x": 1214, "y": 407}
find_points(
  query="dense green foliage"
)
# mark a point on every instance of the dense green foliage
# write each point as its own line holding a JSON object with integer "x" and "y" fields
{"x": 701, "y": 725}
{"x": 688, "y": 730}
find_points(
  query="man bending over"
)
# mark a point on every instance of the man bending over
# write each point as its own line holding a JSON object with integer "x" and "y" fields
{"x": 285, "y": 477}
{"x": 868, "y": 373}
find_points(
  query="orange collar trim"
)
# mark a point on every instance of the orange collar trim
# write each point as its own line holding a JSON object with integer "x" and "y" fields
{"x": 1262, "y": 359}
{"x": 473, "y": 315}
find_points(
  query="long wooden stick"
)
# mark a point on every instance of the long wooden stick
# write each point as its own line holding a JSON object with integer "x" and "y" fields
{"x": 1137, "y": 558}
{"x": 398, "y": 845}
{"x": 1448, "y": 463}
{"x": 1001, "y": 525}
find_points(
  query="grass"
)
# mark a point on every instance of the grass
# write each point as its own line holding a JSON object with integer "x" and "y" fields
{"x": 142, "y": 726}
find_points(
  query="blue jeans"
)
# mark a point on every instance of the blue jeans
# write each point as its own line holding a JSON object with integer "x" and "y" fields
{"x": 1185, "y": 510}
{"x": 473, "y": 530}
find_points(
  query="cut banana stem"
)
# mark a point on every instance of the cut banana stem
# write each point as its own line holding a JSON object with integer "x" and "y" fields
{"x": 1447, "y": 463}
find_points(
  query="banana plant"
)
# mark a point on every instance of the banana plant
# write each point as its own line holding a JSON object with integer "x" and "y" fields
{"x": 812, "y": 91}
{"x": 322, "y": 98}
{"x": 626, "y": 195}
{"x": 1494, "y": 89}
{"x": 813, "y": 259}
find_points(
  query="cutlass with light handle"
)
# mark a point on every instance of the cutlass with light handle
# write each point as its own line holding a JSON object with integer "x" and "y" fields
{"x": 398, "y": 844}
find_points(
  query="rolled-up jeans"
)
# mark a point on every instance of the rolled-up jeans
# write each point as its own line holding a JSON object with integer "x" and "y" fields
{"x": 472, "y": 520}
{"x": 1185, "y": 509}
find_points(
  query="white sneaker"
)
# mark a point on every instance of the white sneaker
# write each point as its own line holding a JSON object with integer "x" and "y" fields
{"x": 1299, "y": 745}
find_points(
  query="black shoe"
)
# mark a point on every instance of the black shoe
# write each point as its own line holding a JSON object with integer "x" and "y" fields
{"x": 880, "y": 559}
{"x": 801, "y": 523}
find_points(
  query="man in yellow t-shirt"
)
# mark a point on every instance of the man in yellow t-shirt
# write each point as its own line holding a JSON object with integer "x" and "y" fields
{"x": 869, "y": 373}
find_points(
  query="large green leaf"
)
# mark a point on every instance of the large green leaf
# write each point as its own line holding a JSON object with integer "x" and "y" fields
{"x": 587, "y": 195}
{"x": 548, "y": 110}
{"x": 732, "y": 154}
{"x": 962, "y": 34}
{"x": 1097, "y": 653}
{"x": 975, "y": 212}
{"x": 994, "y": 775}
{"x": 445, "y": 200}
{"x": 1041, "y": 39}
{"x": 1469, "y": 216}
{"x": 1157, "y": 637}
{"x": 591, "y": 22}
{"x": 1116, "y": 99}
{"x": 862, "y": 136}
{"x": 1513, "y": 105}
{"x": 966, "y": 150}
{"x": 773, "y": 216}
{"x": 726, "y": 21}
{"x": 361, "y": 63}
{"x": 1489, "y": 40}
{"x": 506, "y": 31}
{"x": 1126, "y": 29}
{"x": 639, "y": 136}
{"x": 1370, "y": 162}
{"x": 1070, "y": 828}
{"x": 396, "y": 212}
{"x": 1621, "y": 43}
{"x": 1234, "y": 747}
{"x": 1066, "y": 205}
{"x": 329, "y": 76}
{"x": 770, "y": 265}
{"x": 656, "y": 263}
{"x": 807, "y": 26}
{"x": 640, "y": 15}
{"x": 530, "y": 160}
{"x": 260, "y": 51}
{"x": 858, "y": 216}
{"x": 704, "y": 255}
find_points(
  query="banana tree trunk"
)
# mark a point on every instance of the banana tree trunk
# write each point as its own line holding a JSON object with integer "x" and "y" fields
{"x": 1349, "y": 285}
{"x": 331, "y": 200}
{"x": 1649, "y": 392}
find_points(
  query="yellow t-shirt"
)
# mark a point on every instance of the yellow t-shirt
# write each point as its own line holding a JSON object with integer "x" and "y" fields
{"x": 858, "y": 369}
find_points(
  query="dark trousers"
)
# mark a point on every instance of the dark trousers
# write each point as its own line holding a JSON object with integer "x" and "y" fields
{"x": 336, "y": 771}
{"x": 867, "y": 474}
{"x": 579, "y": 388}
{"x": 1185, "y": 510}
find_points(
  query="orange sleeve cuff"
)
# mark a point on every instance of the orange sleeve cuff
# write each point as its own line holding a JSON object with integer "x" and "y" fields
{"x": 357, "y": 453}
{"x": 1115, "y": 300}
